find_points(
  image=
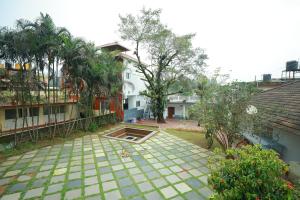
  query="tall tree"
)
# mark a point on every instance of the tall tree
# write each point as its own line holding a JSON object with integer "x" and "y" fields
{"x": 172, "y": 57}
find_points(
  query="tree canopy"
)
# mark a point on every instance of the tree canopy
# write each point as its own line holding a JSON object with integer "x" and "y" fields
{"x": 50, "y": 52}
{"x": 223, "y": 109}
{"x": 172, "y": 57}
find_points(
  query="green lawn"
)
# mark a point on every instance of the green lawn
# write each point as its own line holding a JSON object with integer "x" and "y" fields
{"x": 195, "y": 137}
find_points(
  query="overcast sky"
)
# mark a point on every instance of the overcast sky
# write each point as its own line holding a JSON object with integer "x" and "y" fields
{"x": 243, "y": 37}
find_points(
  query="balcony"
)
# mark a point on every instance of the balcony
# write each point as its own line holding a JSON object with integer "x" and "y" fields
{"x": 180, "y": 98}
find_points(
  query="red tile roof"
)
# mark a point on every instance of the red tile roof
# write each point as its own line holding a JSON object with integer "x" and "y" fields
{"x": 281, "y": 106}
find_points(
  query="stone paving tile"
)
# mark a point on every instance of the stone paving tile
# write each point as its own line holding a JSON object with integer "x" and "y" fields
{"x": 145, "y": 186}
{"x": 4, "y": 181}
{"x": 38, "y": 183}
{"x": 15, "y": 196}
{"x": 109, "y": 185}
{"x": 106, "y": 177}
{"x": 169, "y": 192}
{"x": 53, "y": 196}
{"x": 205, "y": 191}
{"x": 153, "y": 195}
{"x": 75, "y": 175}
{"x": 125, "y": 182}
{"x": 182, "y": 187}
{"x": 60, "y": 171}
{"x": 129, "y": 191}
{"x": 57, "y": 179}
{"x": 43, "y": 174}
{"x": 160, "y": 182}
{"x": 74, "y": 184}
{"x": 113, "y": 195}
{"x": 139, "y": 178}
{"x": 193, "y": 195}
{"x": 91, "y": 180}
{"x": 73, "y": 194}
{"x": 18, "y": 187}
{"x": 55, "y": 188}
{"x": 90, "y": 172}
{"x": 173, "y": 178}
{"x": 33, "y": 193}
{"x": 91, "y": 190}
{"x": 194, "y": 183}
{"x": 162, "y": 167}
{"x": 12, "y": 173}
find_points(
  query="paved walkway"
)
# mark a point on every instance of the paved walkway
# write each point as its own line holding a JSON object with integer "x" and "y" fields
{"x": 174, "y": 123}
{"x": 91, "y": 167}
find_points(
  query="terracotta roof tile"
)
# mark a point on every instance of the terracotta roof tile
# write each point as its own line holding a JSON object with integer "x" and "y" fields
{"x": 281, "y": 106}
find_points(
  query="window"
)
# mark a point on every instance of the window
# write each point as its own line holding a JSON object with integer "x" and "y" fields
{"x": 138, "y": 103}
{"x": 58, "y": 109}
{"x": 125, "y": 105}
{"x": 127, "y": 75}
{"x": 104, "y": 105}
{"x": 33, "y": 112}
{"x": 11, "y": 113}
{"x": 46, "y": 110}
{"x": 61, "y": 109}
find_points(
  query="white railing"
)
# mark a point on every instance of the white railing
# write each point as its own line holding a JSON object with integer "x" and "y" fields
{"x": 179, "y": 98}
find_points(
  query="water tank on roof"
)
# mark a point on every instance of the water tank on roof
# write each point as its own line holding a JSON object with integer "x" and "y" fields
{"x": 292, "y": 65}
{"x": 267, "y": 77}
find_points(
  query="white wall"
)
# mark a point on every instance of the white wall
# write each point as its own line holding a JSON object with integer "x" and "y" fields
{"x": 133, "y": 85}
{"x": 179, "y": 109}
{"x": 291, "y": 142}
{"x": 133, "y": 99}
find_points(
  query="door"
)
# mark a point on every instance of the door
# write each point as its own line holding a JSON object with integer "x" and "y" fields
{"x": 171, "y": 112}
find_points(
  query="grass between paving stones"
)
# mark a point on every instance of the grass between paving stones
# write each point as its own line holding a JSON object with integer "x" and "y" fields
{"x": 116, "y": 148}
{"x": 30, "y": 146}
{"x": 192, "y": 136}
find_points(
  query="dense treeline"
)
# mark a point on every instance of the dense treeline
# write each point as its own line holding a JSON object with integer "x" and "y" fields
{"x": 48, "y": 56}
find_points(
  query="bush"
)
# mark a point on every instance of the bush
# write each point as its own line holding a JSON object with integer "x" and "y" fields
{"x": 93, "y": 127}
{"x": 250, "y": 173}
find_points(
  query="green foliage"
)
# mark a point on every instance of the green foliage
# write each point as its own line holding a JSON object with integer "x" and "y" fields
{"x": 87, "y": 72}
{"x": 173, "y": 59}
{"x": 106, "y": 119}
{"x": 93, "y": 127}
{"x": 249, "y": 173}
{"x": 222, "y": 108}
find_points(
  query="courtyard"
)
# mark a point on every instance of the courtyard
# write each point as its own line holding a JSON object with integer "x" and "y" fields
{"x": 95, "y": 167}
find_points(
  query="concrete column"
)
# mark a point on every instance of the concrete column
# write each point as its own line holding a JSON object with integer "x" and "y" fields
{"x": 41, "y": 115}
{"x": 2, "y": 119}
{"x": 183, "y": 110}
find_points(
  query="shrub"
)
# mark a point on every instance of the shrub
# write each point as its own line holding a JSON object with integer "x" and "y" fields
{"x": 92, "y": 127}
{"x": 250, "y": 173}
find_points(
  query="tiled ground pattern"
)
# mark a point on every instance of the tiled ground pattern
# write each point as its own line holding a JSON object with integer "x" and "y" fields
{"x": 92, "y": 167}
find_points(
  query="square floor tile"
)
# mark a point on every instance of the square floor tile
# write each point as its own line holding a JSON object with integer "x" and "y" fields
{"x": 172, "y": 178}
{"x": 169, "y": 192}
{"x": 109, "y": 185}
{"x": 182, "y": 187}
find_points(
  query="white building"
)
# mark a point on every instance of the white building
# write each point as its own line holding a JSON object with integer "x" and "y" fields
{"x": 134, "y": 103}
{"x": 178, "y": 106}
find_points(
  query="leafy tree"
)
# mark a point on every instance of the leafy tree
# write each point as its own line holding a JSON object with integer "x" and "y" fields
{"x": 87, "y": 72}
{"x": 172, "y": 57}
{"x": 222, "y": 109}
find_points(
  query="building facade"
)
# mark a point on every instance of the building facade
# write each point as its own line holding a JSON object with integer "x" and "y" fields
{"x": 134, "y": 104}
{"x": 178, "y": 106}
{"x": 280, "y": 111}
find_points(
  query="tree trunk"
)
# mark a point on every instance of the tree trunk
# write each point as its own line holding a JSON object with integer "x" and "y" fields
{"x": 160, "y": 110}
